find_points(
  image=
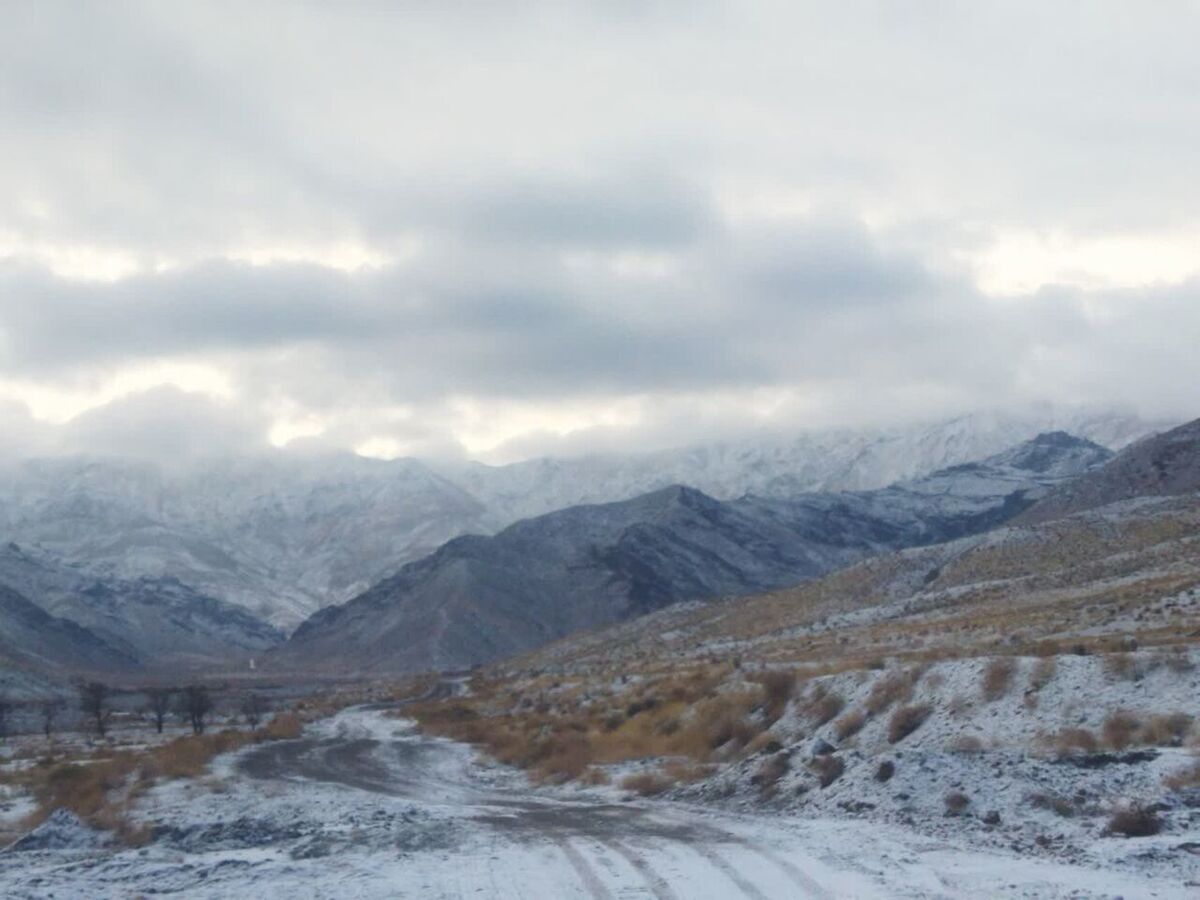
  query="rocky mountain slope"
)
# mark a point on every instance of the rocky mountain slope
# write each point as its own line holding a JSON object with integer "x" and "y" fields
{"x": 148, "y": 622}
{"x": 479, "y": 598}
{"x": 1162, "y": 465}
{"x": 285, "y": 535}
{"x": 31, "y": 638}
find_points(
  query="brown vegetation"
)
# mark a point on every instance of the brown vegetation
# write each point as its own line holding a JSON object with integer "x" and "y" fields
{"x": 850, "y": 724}
{"x": 1134, "y": 821}
{"x": 997, "y": 678}
{"x": 828, "y": 769}
{"x": 906, "y": 720}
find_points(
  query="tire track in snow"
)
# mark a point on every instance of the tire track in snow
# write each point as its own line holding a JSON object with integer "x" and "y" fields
{"x": 591, "y": 881}
{"x": 658, "y": 885}
{"x": 711, "y": 855}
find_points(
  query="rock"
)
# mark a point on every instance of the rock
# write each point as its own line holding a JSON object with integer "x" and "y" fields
{"x": 886, "y": 770}
{"x": 992, "y": 818}
{"x": 63, "y": 830}
{"x": 823, "y": 748}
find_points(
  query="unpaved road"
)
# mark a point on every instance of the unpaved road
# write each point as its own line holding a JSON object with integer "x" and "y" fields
{"x": 365, "y": 807}
{"x": 614, "y": 849}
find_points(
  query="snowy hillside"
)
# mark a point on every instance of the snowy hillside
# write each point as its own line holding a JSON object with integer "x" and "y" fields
{"x": 285, "y": 535}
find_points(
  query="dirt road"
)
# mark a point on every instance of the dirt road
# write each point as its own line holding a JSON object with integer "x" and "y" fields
{"x": 614, "y": 849}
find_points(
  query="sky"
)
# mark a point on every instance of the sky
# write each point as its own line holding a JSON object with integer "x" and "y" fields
{"x": 497, "y": 230}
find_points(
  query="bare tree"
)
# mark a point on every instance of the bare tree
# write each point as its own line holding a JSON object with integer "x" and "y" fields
{"x": 5, "y": 709}
{"x": 195, "y": 704}
{"x": 51, "y": 707}
{"x": 160, "y": 705}
{"x": 93, "y": 703}
{"x": 254, "y": 709}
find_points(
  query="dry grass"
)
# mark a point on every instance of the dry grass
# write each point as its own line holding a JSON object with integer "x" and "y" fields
{"x": 1134, "y": 821}
{"x": 1169, "y": 730}
{"x": 101, "y": 789}
{"x": 1043, "y": 672}
{"x": 1185, "y": 778}
{"x": 966, "y": 743}
{"x": 891, "y": 688}
{"x": 1122, "y": 666}
{"x": 906, "y": 720}
{"x": 772, "y": 769}
{"x": 1060, "y": 806}
{"x": 821, "y": 705}
{"x": 997, "y": 678}
{"x": 778, "y": 686}
{"x": 828, "y": 769}
{"x": 1069, "y": 741}
{"x": 648, "y": 784}
{"x": 1119, "y": 729}
{"x": 850, "y": 724}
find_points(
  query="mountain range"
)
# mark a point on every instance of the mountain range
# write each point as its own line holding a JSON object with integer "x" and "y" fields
{"x": 479, "y": 598}
{"x": 283, "y": 536}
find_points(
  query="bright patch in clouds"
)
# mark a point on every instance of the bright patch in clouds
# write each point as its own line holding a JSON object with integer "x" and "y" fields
{"x": 1021, "y": 262}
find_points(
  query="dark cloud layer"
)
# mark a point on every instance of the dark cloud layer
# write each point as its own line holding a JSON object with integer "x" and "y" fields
{"x": 682, "y": 208}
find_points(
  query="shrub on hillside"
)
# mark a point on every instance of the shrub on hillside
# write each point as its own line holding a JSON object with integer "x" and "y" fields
{"x": 850, "y": 724}
{"x": 828, "y": 769}
{"x": 997, "y": 678}
{"x": 1134, "y": 821}
{"x": 906, "y": 720}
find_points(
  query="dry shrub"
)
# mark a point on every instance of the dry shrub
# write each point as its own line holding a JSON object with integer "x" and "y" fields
{"x": 1060, "y": 806}
{"x": 594, "y": 777}
{"x": 890, "y": 688}
{"x": 1184, "y": 778}
{"x": 966, "y": 743}
{"x": 1165, "y": 730}
{"x": 997, "y": 678}
{"x": 685, "y": 772}
{"x": 102, "y": 791}
{"x": 1069, "y": 741}
{"x": 283, "y": 726}
{"x": 777, "y": 686}
{"x": 906, "y": 720}
{"x": 821, "y": 705}
{"x": 956, "y": 803}
{"x": 1119, "y": 729}
{"x": 648, "y": 784}
{"x": 1122, "y": 666}
{"x": 828, "y": 769}
{"x": 1043, "y": 672}
{"x": 850, "y": 724}
{"x": 1134, "y": 821}
{"x": 772, "y": 769}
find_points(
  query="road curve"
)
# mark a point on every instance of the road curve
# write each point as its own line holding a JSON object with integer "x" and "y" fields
{"x": 611, "y": 848}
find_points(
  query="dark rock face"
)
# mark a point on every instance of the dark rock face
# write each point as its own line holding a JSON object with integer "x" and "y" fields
{"x": 32, "y": 638}
{"x": 150, "y": 621}
{"x": 481, "y": 598}
{"x": 1163, "y": 465}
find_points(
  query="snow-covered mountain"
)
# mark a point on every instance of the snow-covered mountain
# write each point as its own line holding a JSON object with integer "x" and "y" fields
{"x": 481, "y": 598}
{"x": 286, "y": 535}
{"x": 774, "y": 466}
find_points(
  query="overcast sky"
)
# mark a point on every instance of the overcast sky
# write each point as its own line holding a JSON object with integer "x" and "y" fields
{"x": 505, "y": 229}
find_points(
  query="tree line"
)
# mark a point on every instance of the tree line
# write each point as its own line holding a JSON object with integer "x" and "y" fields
{"x": 192, "y": 703}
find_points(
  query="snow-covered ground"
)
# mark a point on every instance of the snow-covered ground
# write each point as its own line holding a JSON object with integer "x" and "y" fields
{"x": 364, "y": 806}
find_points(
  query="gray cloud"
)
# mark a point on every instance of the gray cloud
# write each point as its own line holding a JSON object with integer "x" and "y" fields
{"x": 584, "y": 185}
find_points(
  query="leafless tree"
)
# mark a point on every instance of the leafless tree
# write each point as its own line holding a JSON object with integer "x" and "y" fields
{"x": 196, "y": 703}
{"x": 160, "y": 705}
{"x": 51, "y": 707}
{"x": 93, "y": 703}
{"x": 5, "y": 709}
{"x": 254, "y": 709}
